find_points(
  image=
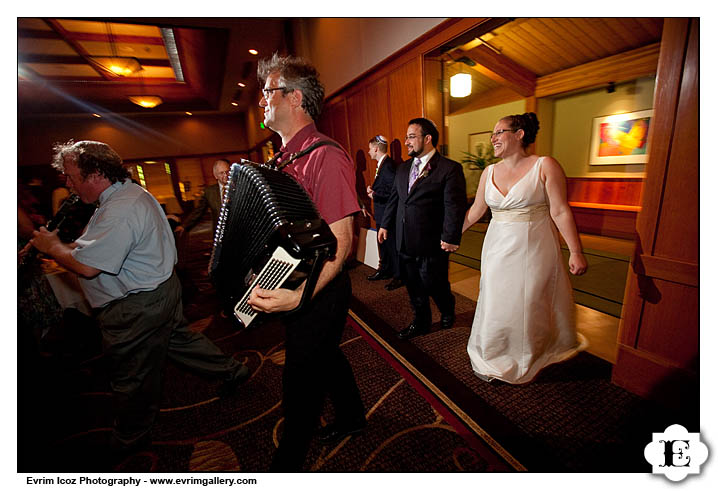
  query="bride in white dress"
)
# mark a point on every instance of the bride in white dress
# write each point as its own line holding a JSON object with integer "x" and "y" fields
{"x": 525, "y": 315}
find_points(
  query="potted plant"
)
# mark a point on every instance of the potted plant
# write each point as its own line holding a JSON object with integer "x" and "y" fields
{"x": 475, "y": 163}
{"x": 478, "y": 161}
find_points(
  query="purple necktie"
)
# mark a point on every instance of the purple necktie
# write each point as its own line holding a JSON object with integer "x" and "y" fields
{"x": 414, "y": 172}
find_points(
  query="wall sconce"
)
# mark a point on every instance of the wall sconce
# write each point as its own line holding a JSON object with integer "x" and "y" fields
{"x": 460, "y": 85}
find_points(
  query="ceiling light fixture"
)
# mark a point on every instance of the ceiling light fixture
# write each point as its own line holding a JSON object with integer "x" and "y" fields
{"x": 120, "y": 66}
{"x": 188, "y": 113}
{"x": 146, "y": 101}
{"x": 241, "y": 84}
{"x": 460, "y": 85}
{"x": 253, "y": 52}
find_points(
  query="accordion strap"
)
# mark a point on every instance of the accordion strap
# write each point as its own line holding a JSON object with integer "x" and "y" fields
{"x": 307, "y": 150}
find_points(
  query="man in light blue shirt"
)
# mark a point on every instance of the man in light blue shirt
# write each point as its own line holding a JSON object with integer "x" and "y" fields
{"x": 125, "y": 260}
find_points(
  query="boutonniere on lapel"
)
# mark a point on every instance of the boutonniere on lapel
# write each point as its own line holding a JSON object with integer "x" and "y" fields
{"x": 425, "y": 172}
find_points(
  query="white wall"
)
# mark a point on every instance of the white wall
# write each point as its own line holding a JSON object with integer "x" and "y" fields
{"x": 343, "y": 48}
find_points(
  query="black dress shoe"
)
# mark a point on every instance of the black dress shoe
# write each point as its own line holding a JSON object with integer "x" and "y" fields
{"x": 394, "y": 284}
{"x": 447, "y": 321}
{"x": 333, "y": 433}
{"x": 229, "y": 387}
{"x": 379, "y": 275}
{"x": 412, "y": 331}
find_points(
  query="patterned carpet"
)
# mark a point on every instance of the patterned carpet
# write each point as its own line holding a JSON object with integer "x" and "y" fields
{"x": 426, "y": 411}
{"x": 571, "y": 418}
{"x": 65, "y": 413}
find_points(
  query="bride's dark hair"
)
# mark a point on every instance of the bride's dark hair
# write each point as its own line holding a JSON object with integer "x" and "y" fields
{"x": 527, "y": 122}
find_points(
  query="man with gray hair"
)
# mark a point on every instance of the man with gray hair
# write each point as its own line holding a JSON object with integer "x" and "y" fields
{"x": 315, "y": 365}
{"x": 211, "y": 198}
{"x": 125, "y": 259}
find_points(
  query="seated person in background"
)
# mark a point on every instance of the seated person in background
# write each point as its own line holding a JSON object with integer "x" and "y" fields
{"x": 211, "y": 198}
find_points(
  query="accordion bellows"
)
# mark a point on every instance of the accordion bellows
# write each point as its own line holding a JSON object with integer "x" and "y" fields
{"x": 269, "y": 233}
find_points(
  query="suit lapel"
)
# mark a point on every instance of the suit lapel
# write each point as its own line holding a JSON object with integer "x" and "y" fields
{"x": 430, "y": 167}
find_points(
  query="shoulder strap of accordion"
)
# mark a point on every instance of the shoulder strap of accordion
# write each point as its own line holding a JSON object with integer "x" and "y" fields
{"x": 307, "y": 150}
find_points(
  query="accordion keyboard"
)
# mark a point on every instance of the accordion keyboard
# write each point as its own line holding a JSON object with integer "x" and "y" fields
{"x": 274, "y": 273}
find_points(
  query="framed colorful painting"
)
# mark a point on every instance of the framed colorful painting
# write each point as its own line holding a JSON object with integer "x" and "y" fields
{"x": 620, "y": 139}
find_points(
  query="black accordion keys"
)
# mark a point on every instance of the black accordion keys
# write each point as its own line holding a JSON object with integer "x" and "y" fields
{"x": 269, "y": 234}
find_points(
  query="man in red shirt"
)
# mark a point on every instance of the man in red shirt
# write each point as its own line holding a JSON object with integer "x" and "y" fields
{"x": 315, "y": 365}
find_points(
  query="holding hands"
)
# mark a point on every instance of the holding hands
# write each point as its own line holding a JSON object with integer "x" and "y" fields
{"x": 448, "y": 247}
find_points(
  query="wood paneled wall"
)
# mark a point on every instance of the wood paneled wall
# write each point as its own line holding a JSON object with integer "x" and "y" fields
{"x": 605, "y": 206}
{"x": 382, "y": 106}
{"x": 659, "y": 333}
{"x": 609, "y": 191}
{"x": 658, "y": 339}
{"x": 384, "y": 100}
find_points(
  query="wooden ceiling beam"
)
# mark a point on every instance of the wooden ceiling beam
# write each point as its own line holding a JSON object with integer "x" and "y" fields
{"x": 116, "y": 38}
{"x": 490, "y": 98}
{"x": 501, "y": 69}
{"x": 87, "y": 36}
{"x": 629, "y": 65}
{"x": 57, "y": 27}
{"x": 79, "y": 60}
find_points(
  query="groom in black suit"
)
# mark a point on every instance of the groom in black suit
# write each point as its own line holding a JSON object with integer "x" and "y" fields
{"x": 426, "y": 210}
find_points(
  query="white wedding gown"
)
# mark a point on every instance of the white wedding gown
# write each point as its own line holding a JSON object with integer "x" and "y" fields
{"x": 525, "y": 317}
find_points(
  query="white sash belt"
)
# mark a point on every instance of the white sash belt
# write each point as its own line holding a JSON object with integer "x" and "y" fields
{"x": 528, "y": 214}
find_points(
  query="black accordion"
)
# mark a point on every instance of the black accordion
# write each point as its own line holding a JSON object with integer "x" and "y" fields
{"x": 269, "y": 234}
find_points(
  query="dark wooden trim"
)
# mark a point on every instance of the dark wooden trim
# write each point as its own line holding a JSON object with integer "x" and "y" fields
{"x": 670, "y": 269}
{"x": 659, "y": 332}
{"x": 503, "y": 70}
{"x": 653, "y": 377}
{"x": 670, "y": 67}
{"x": 606, "y": 222}
{"x": 490, "y": 98}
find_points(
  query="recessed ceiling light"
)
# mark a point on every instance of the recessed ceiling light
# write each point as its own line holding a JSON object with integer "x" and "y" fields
{"x": 241, "y": 84}
{"x": 235, "y": 104}
{"x": 188, "y": 113}
{"x": 96, "y": 115}
{"x": 254, "y": 51}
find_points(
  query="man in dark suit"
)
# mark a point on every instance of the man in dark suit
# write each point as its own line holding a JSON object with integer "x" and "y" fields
{"x": 379, "y": 192}
{"x": 211, "y": 198}
{"x": 426, "y": 210}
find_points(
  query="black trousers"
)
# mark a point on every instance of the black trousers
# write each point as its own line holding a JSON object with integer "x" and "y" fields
{"x": 426, "y": 277}
{"x": 389, "y": 258}
{"x": 315, "y": 367}
{"x": 139, "y": 332}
